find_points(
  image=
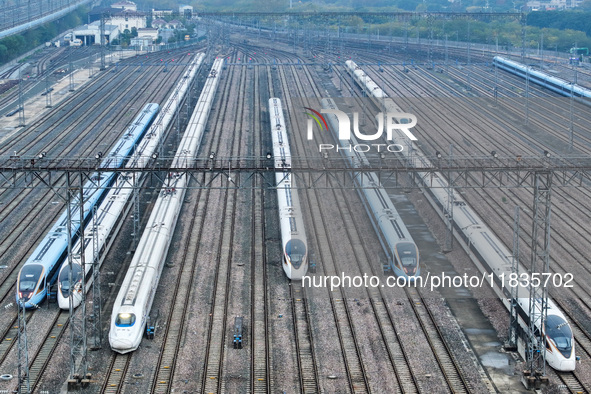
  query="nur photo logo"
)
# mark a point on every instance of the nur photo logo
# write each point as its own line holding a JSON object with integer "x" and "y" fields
{"x": 349, "y": 133}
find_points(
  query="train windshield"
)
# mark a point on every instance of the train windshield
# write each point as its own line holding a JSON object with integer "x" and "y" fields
{"x": 30, "y": 275}
{"x": 125, "y": 320}
{"x": 407, "y": 253}
{"x": 64, "y": 278}
{"x": 296, "y": 252}
{"x": 559, "y": 331}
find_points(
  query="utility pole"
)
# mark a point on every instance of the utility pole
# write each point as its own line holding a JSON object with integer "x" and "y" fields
{"x": 77, "y": 322}
{"x": 535, "y": 375}
{"x": 526, "y": 94}
{"x": 511, "y": 344}
{"x": 523, "y": 24}
{"x": 542, "y": 50}
{"x": 496, "y": 89}
{"x": 572, "y": 118}
{"x": 48, "y": 102}
{"x": 430, "y": 23}
{"x": 449, "y": 212}
{"x": 24, "y": 385}
{"x": 97, "y": 332}
{"x": 469, "y": 59}
{"x": 71, "y": 67}
{"x": 406, "y": 32}
{"x": 102, "y": 33}
{"x": 21, "y": 101}
{"x": 446, "y": 57}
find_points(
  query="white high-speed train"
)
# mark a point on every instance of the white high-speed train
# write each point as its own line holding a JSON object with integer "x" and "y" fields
{"x": 109, "y": 211}
{"x": 492, "y": 255}
{"x": 134, "y": 300}
{"x": 400, "y": 247}
{"x": 496, "y": 258}
{"x": 548, "y": 81}
{"x": 293, "y": 233}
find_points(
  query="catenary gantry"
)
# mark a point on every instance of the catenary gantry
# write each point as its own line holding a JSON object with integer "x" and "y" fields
{"x": 218, "y": 172}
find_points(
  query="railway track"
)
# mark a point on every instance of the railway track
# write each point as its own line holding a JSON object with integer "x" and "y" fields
{"x": 174, "y": 329}
{"x": 260, "y": 361}
{"x": 116, "y": 372}
{"x": 349, "y": 344}
{"x": 211, "y": 381}
{"x": 175, "y": 325}
{"x": 307, "y": 379}
{"x": 397, "y": 349}
{"x": 306, "y": 358}
{"x": 487, "y": 136}
{"x": 545, "y": 112}
{"x": 445, "y": 357}
{"x": 40, "y": 360}
{"x": 10, "y": 337}
{"x": 5, "y": 287}
{"x": 571, "y": 382}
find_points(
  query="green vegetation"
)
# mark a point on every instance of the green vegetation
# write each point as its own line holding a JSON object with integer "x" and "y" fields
{"x": 562, "y": 20}
{"x": 14, "y": 46}
{"x": 507, "y": 32}
{"x": 350, "y": 5}
{"x": 125, "y": 38}
{"x": 560, "y": 29}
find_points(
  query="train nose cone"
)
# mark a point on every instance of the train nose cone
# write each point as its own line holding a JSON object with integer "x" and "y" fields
{"x": 120, "y": 344}
{"x": 567, "y": 365}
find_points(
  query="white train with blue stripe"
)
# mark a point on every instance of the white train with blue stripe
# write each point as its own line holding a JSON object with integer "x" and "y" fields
{"x": 41, "y": 268}
{"x": 492, "y": 256}
{"x": 293, "y": 234}
{"x": 540, "y": 78}
{"x": 134, "y": 300}
{"x": 109, "y": 213}
{"x": 395, "y": 237}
